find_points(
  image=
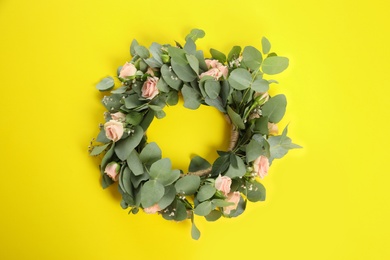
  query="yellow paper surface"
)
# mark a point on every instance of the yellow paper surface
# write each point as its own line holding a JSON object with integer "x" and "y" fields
{"x": 329, "y": 200}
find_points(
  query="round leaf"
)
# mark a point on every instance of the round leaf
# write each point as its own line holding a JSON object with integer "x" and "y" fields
{"x": 274, "y": 65}
{"x": 105, "y": 84}
{"x": 151, "y": 193}
{"x": 188, "y": 184}
{"x": 240, "y": 79}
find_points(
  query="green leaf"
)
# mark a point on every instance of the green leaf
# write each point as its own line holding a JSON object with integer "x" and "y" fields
{"x": 263, "y": 144}
{"x": 132, "y": 101}
{"x": 107, "y": 158}
{"x": 161, "y": 167}
{"x": 252, "y": 58}
{"x": 195, "y": 233}
{"x": 168, "y": 198}
{"x": 155, "y": 50}
{"x": 234, "y": 53}
{"x": 136, "y": 180}
{"x": 132, "y": 47}
{"x": 177, "y": 55}
{"x": 148, "y": 118}
{"x": 151, "y": 193}
{"x": 106, "y": 181}
{"x": 240, "y": 79}
{"x": 213, "y": 215}
{"x": 142, "y": 51}
{"x": 236, "y": 118}
{"x": 221, "y": 203}
{"x": 198, "y": 163}
{"x": 150, "y": 154}
{"x": 162, "y": 86}
{"x": 195, "y": 34}
{"x": 253, "y": 151}
{"x": 189, "y": 184}
{"x": 113, "y": 102}
{"x": 236, "y": 171}
{"x": 217, "y": 55}
{"x": 261, "y": 125}
{"x": 125, "y": 181}
{"x": 184, "y": 72}
{"x": 274, "y": 65}
{"x": 98, "y": 149}
{"x": 275, "y": 108}
{"x": 255, "y": 192}
{"x": 191, "y": 97}
{"x": 217, "y": 103}
{"x": 266, "y": 45}
{"x": 133, "y": 118}
{"x": 124, "y": 147}
{"x": 194, "y": 63}
{"x": 135, "y": 163}
{"x": 172, "y": 98}
{"x": 212, "y": 88}
{"x": 105, "y": 84}
{"x": 205, "y": 192}
{"x": 204, "y": 208}
{"x": 260, "y": 85}
{"x": 190, "y": 46}
{"x": 170, "y": 77}
{"x": 202, "y": 64}
{"x": 220, "y": 165}
{"x": 279, "y": 145}
{"x": 240, "y": 208}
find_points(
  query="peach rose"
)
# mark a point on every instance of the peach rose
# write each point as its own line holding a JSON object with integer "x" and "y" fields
{"x": 114, "y": 130}
{"x": 232, "y": 197}
{"x": 273, "y": 129}
{"x": 261, "y": 166}
{"x": 118, "y": 116}
{"x": 222, "y": 183}
{"x": 152, "y": 209}
{"x": 216, "y": 69}
{"x": 112, "y": 170}
{"x": 149, "y": 89}
{"x": 127, "y": 70}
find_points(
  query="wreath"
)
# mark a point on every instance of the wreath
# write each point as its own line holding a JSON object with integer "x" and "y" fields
{"x": 233, "y": 84}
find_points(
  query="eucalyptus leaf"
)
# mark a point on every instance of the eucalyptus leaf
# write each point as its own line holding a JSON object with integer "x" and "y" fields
{"x": 184, "y": 72}
{"x": 274, "y": 65}
{"x": 205, "y": 192}
{"x": 275, "y": 108}
{"x": 220, "y": 165}
{"x": 170, "y": 77}
{"x": 221, "y": 203}
{"x": 98, "y": 149}
{"x": 255, "y": 191}
{"x": 151, "y": 193}
{"x": 190, "y": 46}
{"x": 261, "y": 125}
{"x": 191, "y": 97}
{"x": 280, "y": 145}
{"x": 213, "y": 215}
{"x": 132, "y": 101}
{"x": 148, "y": 118}
{"x": 236, "y": 118}
{"x": 135, "y": 164}
{"x": 137, "y": 180}
{"x": 198, "y": 163}
{"x": 134, "y": 43}
{"x": 142, "y": 51}
{"x": 150, "y": 154}
{"x": 217, "y": 103}
{"x": 195, "y": 233}
{"x": 168, "y": 198}
{"x": 212, "y": 88}
{"x": 125, "y": 181}
{"x": 188, "y": 185}
{"x": 160, "y": 168}
{"x": 253, "y": 151}
{"x": 155, "y": 50}
{"x": 194, "y": 63}
{"x": 234, "y": 53}
{"x": 172, "y": 98}
{"x": 240, "y": 79}
{"x": 124, "y": 147}
{"x": 177, "y": 55}
{"x": 204, "y": 208}
{"x": 238, "y": 171}
{"x": 162, "y": 86}
{"x": 260, "y": 85}
{"x": 202, "y": 64}
{"x": 252, "y": 58}
{"x": 266, "y": 45}
{"x": 195, "y": 34}
{"x": 217, "y": 55}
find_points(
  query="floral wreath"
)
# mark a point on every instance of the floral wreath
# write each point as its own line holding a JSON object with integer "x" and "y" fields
{"x": 234, "y": 84}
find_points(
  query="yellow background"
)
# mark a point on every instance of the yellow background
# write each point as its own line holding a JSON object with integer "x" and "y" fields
{"x": 329, "y": 200}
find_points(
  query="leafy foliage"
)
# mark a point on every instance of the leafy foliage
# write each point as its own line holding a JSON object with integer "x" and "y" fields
{"x": 235, "y": 84}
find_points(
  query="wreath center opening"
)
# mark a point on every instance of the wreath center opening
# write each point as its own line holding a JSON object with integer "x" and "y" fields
{"x": 184, "y": 133}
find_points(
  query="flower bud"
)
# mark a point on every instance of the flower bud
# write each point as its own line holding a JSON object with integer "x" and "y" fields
{"x": 165, "y": 58}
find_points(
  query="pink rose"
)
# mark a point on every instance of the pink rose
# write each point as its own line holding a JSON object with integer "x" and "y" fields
{"x": 232, "y": 197}
{"x": 114, "y": 130}
{"x": 112, "y": 170}
{"x": 272, "y": 129}
{"x": 127, "y": 70}
{"x": 152, "y": 209}
{"x": 222, "y": 183}
{"x": 118, "y": 116}
{"x": 149, "y": 89}
{"x": 261, "y": 166}
{"x": 216, "y": 69}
